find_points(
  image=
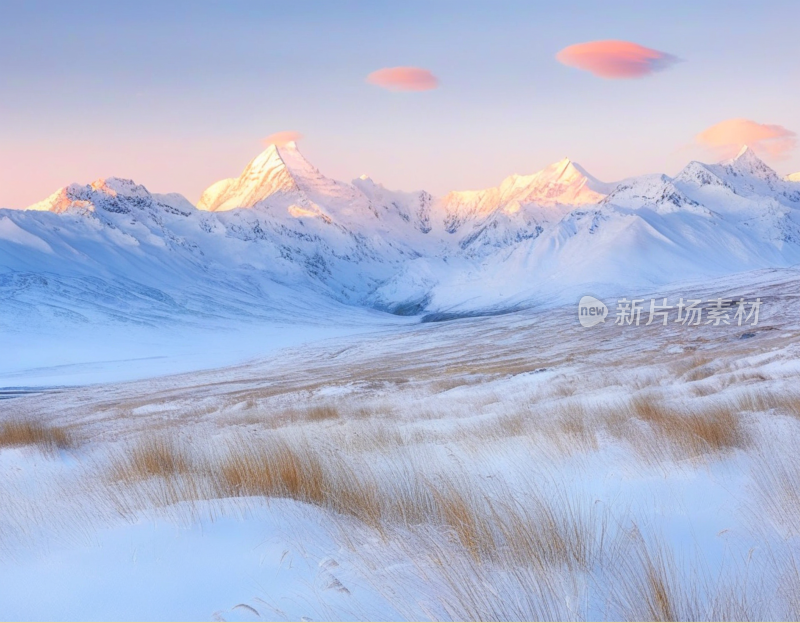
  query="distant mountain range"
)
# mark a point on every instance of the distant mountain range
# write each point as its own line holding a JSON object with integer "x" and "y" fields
{"x": 283, "y": 239}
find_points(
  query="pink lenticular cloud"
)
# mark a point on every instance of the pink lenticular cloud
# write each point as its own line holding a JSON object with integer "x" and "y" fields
{"x": 727, "y": 137}
{"x": 616, "y": 59}
{"x": 281, "y": 138}
{"x": 404, "y": 79}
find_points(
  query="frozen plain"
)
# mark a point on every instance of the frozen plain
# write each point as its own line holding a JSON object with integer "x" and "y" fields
{"x": 506, "y": 467}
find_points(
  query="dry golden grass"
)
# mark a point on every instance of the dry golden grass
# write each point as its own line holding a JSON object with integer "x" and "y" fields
{"x": 322, "y": 412}
{"x": 632, "y": 578}
{"x": 508, "y": 425}
{"x": 672, "y": 432}
{"x": 485, "y": 522}
{"x": 496, "y": 553}
{"x": 272, "y": 417}
{"x": 296, "y": 468}
{"x": 339, "y": 473}
{"x": 154, "y": 455}
{"x": 19, "y": 432}
{"x": 702, "y": 390}
{"x": 647, "y": 584}
{"x": 521, "y": 575}
{"x": 487, "y": 364}
{"x": 568, "y": 428}
{"x": 776, "y": 480}
{"x": 272, "y": 469}
{"x": 699, "y": 373}
{"x": 759, "y": 400}
{"x": 575, "y": 429}
{"x": 695, "y": 431}
{"x": 462, "y": 512}
{"x": 657, "y": 430}
{"x": 650, "y": 580}
{"x": 445, "y": 384}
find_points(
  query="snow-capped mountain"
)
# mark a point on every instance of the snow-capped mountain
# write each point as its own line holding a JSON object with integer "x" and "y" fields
{"x": 280, "y": 176}
{"x": 111, "y": 195}
{"x": 793, "y": 177}
{"x": 563, "y": 183}
{"x": 520, "y": 207}
{"x": 352, "y": 236}
{"x": 283, "y": 236}
{"x": 283, "y": 183}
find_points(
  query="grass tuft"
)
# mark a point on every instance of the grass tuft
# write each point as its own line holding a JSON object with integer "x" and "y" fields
{"x": 694, "y": 431}
{"x": 152, "y": 456}
{"x": 19, "y": 432}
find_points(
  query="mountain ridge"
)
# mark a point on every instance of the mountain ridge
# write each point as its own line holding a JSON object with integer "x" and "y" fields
{"x": 283, "y": 224}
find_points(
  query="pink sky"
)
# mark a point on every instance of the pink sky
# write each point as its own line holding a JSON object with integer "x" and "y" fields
{"x": 429, "y": 96}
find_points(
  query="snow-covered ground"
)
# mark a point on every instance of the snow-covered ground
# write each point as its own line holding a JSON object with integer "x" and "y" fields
{"x": 65, "y": 354}
{"x": 515, "y": 466}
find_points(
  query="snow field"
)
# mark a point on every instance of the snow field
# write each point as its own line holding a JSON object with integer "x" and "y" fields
{"x": 509, "y": 467}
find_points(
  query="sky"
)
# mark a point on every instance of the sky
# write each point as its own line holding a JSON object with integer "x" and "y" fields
{"x": 177, "y": 95}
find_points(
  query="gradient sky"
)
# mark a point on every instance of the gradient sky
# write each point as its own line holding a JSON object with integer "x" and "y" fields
{"x": 179, "y": 96}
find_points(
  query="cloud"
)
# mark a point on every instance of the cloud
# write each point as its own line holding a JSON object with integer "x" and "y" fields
{"x": 616, "y": 59}
{"x": 281, "y": 138}
{"x": 404, "y": 79}
{"x": 727, "y": 137}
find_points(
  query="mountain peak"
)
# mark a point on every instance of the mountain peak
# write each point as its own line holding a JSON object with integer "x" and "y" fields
{"x": 114, "y": 186}
{"x": 269, "y": 173}
{"x": 64, "y": 199}
{"x": 748, "y": 158}
{"x": 748, "y": 163}
{"x": 563, "y": 169}
{"x": 110, "y": 194}
{"x": 279, "y": 154}
{"x": 270, "y": 158}
{"x": 746, "y": 154}
{"x": 80, "y": 197}
{"x": 562, "y": 183}
{"x": 279, "y": 172}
